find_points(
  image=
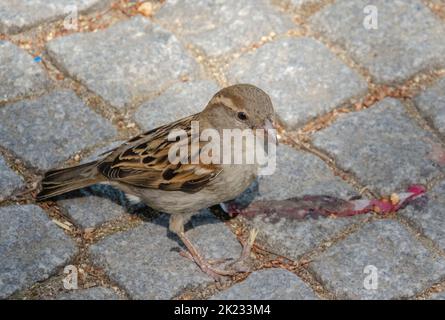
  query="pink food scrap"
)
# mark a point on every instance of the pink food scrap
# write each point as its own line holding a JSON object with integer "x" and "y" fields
{"x": 320, "y": 205}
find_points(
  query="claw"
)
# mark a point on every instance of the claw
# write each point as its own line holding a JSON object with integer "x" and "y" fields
{"x": 205, "y": 265}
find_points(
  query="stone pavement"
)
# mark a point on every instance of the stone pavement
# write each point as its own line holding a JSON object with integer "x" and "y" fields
{"x": 362, "y": 103}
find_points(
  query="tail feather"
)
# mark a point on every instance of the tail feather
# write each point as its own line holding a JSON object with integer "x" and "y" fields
{"x": 60, "y": 181}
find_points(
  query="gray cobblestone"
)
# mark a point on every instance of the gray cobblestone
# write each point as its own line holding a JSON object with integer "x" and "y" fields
{"x": 432, "y": 103}
{"x": 404, "y": 266}
{"x": 20, "y": 75}
{"x": 297, "y": 4}
{"x": 144, "y": 69}
{"x": 96, "y": 293}
{"x": 93, "y": 206}
{"x": 270, "y": 284}
{"x": 144, "y": 260}
{"x": 303, "y": 78}
{"x": 29, "y": 254}
{"x": 218, "y": 27}
{"x": 384, "y": 148}
{"x": 47, "y": 130}
{"x": 438, "y": 296}
{"x": 431, "y": 217}
{"x": 299, "y": 174}
{"x": 22, "y": 15}
{"x": 178, "y": 101}
{"x": 124, "y": 63}
{"x": 408, "y": 38}
{"x": 97, "y": 153}
{"x": 9, "y": 180}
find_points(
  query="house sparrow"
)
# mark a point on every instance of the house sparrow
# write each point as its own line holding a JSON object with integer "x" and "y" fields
{"x": 141, "y": 168}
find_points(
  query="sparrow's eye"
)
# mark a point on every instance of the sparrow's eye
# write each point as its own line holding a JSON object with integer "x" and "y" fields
{"x": 242, "y": 116}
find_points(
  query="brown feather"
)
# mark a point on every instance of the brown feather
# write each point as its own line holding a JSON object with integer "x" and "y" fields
{"x": 144, "y": 162}
{"x": 59, "y": 181}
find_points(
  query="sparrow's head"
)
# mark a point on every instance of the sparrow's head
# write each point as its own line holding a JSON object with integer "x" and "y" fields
{"x": 241, "y": 106}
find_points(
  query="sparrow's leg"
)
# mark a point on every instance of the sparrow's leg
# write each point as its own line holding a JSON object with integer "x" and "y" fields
{"x": 247, "y": 246}
{"x": 177, "y": 227}
{"x": 233, "y": 210}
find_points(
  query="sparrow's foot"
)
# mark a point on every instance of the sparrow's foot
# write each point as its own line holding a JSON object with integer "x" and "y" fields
{"x": 240, "y": 264}
{"x": 212, "y": 262}
{"x": 237, "y": 266}
{"x": 206, "y": 266}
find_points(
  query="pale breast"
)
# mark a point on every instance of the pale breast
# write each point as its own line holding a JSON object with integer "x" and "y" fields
{"x": 231, "y": 182}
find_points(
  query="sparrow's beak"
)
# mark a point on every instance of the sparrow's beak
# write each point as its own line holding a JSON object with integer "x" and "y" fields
{"x": 270, "y": 130}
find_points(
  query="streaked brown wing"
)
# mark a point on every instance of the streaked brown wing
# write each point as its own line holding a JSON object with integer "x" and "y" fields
{"x": 143, "y": 162}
